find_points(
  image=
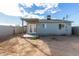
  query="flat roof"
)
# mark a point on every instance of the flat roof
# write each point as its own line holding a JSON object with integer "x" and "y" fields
{"x": 36, "y": 20}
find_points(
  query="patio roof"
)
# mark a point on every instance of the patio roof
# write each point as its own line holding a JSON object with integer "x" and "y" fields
{"x": 30, "y": 19}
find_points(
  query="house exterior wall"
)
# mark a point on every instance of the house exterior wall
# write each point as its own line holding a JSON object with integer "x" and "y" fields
{"x": 53, "y": 29}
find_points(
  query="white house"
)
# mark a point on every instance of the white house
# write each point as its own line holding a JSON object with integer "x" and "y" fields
{"x": 48, "y": 26}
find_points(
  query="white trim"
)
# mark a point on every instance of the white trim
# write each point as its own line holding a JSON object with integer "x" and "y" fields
{"x": 32, "y": 27}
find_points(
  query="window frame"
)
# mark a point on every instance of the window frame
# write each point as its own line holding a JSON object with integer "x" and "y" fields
{"x": 44, "y": 25}
{"x": 61, "y": 26}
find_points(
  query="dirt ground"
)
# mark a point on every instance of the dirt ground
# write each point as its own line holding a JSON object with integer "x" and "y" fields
{"x": 44, "y": 46}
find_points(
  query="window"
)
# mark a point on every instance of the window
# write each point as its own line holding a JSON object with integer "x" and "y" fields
{"x": 44, "y": 26}
{"x": 30, "y": 28}
{"x": 61, "y": 26}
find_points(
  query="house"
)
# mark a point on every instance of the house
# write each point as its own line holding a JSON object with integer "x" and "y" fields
{"x": 48, "y": 26}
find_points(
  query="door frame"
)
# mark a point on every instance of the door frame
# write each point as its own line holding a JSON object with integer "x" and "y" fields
{"x": 32, "y": 28}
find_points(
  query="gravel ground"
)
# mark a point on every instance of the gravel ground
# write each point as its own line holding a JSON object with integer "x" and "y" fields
{"x": 44, "y": 46}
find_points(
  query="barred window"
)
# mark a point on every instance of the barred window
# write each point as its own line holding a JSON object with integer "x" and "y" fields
{"x": 61, "y": 26}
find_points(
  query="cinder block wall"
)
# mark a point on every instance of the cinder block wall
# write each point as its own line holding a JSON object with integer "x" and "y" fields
{"x": 6, "y": 30}
{"x": 10, "y": 30}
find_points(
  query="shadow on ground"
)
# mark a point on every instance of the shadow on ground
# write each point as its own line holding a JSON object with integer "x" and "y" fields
{"x": 5, "y": 38}
{"x": 62, "y": 45}
{"x": 42, "y": 46}
{"x": 57, "y": 45}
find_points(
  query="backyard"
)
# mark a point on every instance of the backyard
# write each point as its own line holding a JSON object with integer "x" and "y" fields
{"x": 43, "y": 46}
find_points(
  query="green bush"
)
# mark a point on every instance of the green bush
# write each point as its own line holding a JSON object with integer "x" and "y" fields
{"x": 34, "y": 38}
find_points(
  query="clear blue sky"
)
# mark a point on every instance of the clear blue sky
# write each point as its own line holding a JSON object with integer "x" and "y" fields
{"x": 59, "y": 11}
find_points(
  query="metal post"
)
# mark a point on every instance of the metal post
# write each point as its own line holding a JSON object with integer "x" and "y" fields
{"x": 22, "y": 26}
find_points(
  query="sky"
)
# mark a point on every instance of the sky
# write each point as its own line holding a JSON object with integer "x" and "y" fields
{"x": 12, "y": 10}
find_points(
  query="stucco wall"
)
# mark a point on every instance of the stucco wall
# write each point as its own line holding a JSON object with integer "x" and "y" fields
{"x": 53, "y": 29}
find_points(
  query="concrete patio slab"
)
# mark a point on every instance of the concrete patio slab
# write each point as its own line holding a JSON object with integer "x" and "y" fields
{"x": 29, "y": 36}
